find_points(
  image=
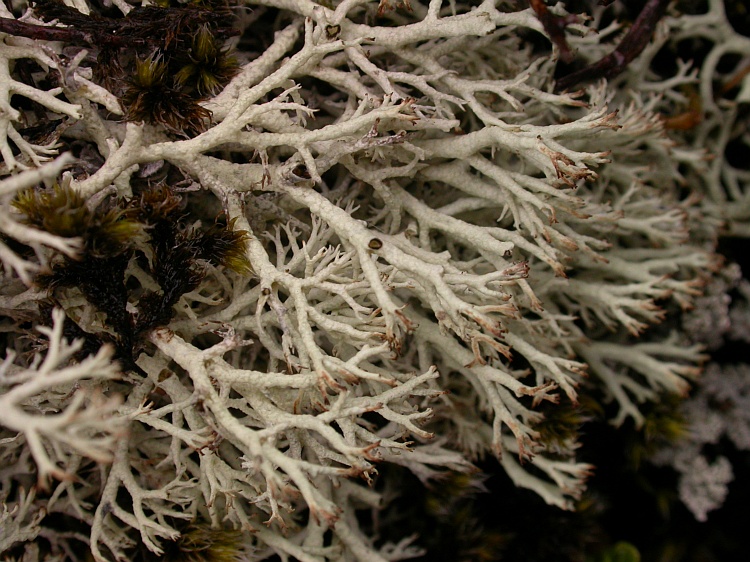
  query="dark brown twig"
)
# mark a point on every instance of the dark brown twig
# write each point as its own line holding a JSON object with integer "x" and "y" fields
{"x": 631, "y": 46}
{"x": 143, "y": 26}
{"x": 44, "y": 33}
{"x": 555, "y": 27}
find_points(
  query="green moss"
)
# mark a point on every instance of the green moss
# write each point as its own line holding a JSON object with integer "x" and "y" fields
{"x": 151, "y": 97}
{"x": 202, "y": 543}
{"x": 171, "y": 53}
{"x": 150, "y": 229}
{"x": 619, "y": 552}
{"x": 208, "y": 67}
{"x": 663, "y": 425}
{"x": 562, "y": 422}
{"x": 63, "y": 212}
{"x": 225, "y": 246}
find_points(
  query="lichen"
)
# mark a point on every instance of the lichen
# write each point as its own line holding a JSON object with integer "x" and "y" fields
{"x": 286, "y": 246}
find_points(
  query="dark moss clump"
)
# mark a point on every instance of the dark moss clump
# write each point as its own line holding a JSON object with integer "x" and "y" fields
{"x": 170, "y": 57}
{"x": 150, "y": 231}
{"x": 152, "y": 97}
{"x": 63, "y": 212}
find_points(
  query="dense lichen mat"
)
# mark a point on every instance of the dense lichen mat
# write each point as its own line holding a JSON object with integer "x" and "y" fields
{"x": 280, "y": 277}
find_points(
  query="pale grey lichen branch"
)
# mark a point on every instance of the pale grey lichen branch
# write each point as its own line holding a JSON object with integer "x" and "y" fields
{"x": 80, "y": 425}
{"x": 439, "y": 244}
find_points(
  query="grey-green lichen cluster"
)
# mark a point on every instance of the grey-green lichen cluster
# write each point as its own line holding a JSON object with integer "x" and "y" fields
{"x": 254, "y": 254}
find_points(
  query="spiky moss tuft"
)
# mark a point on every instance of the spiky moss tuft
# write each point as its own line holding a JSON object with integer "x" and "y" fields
{"x": 222, "y": 244}
{"x": 208, "y": 66}
{"x": 150, "y": 229}
{"x": 63, "y": 212}
{"x": 151, "y": 97}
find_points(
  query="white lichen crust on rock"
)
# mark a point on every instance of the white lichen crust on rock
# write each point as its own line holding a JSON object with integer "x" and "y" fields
{"x": 439, "y": 244}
